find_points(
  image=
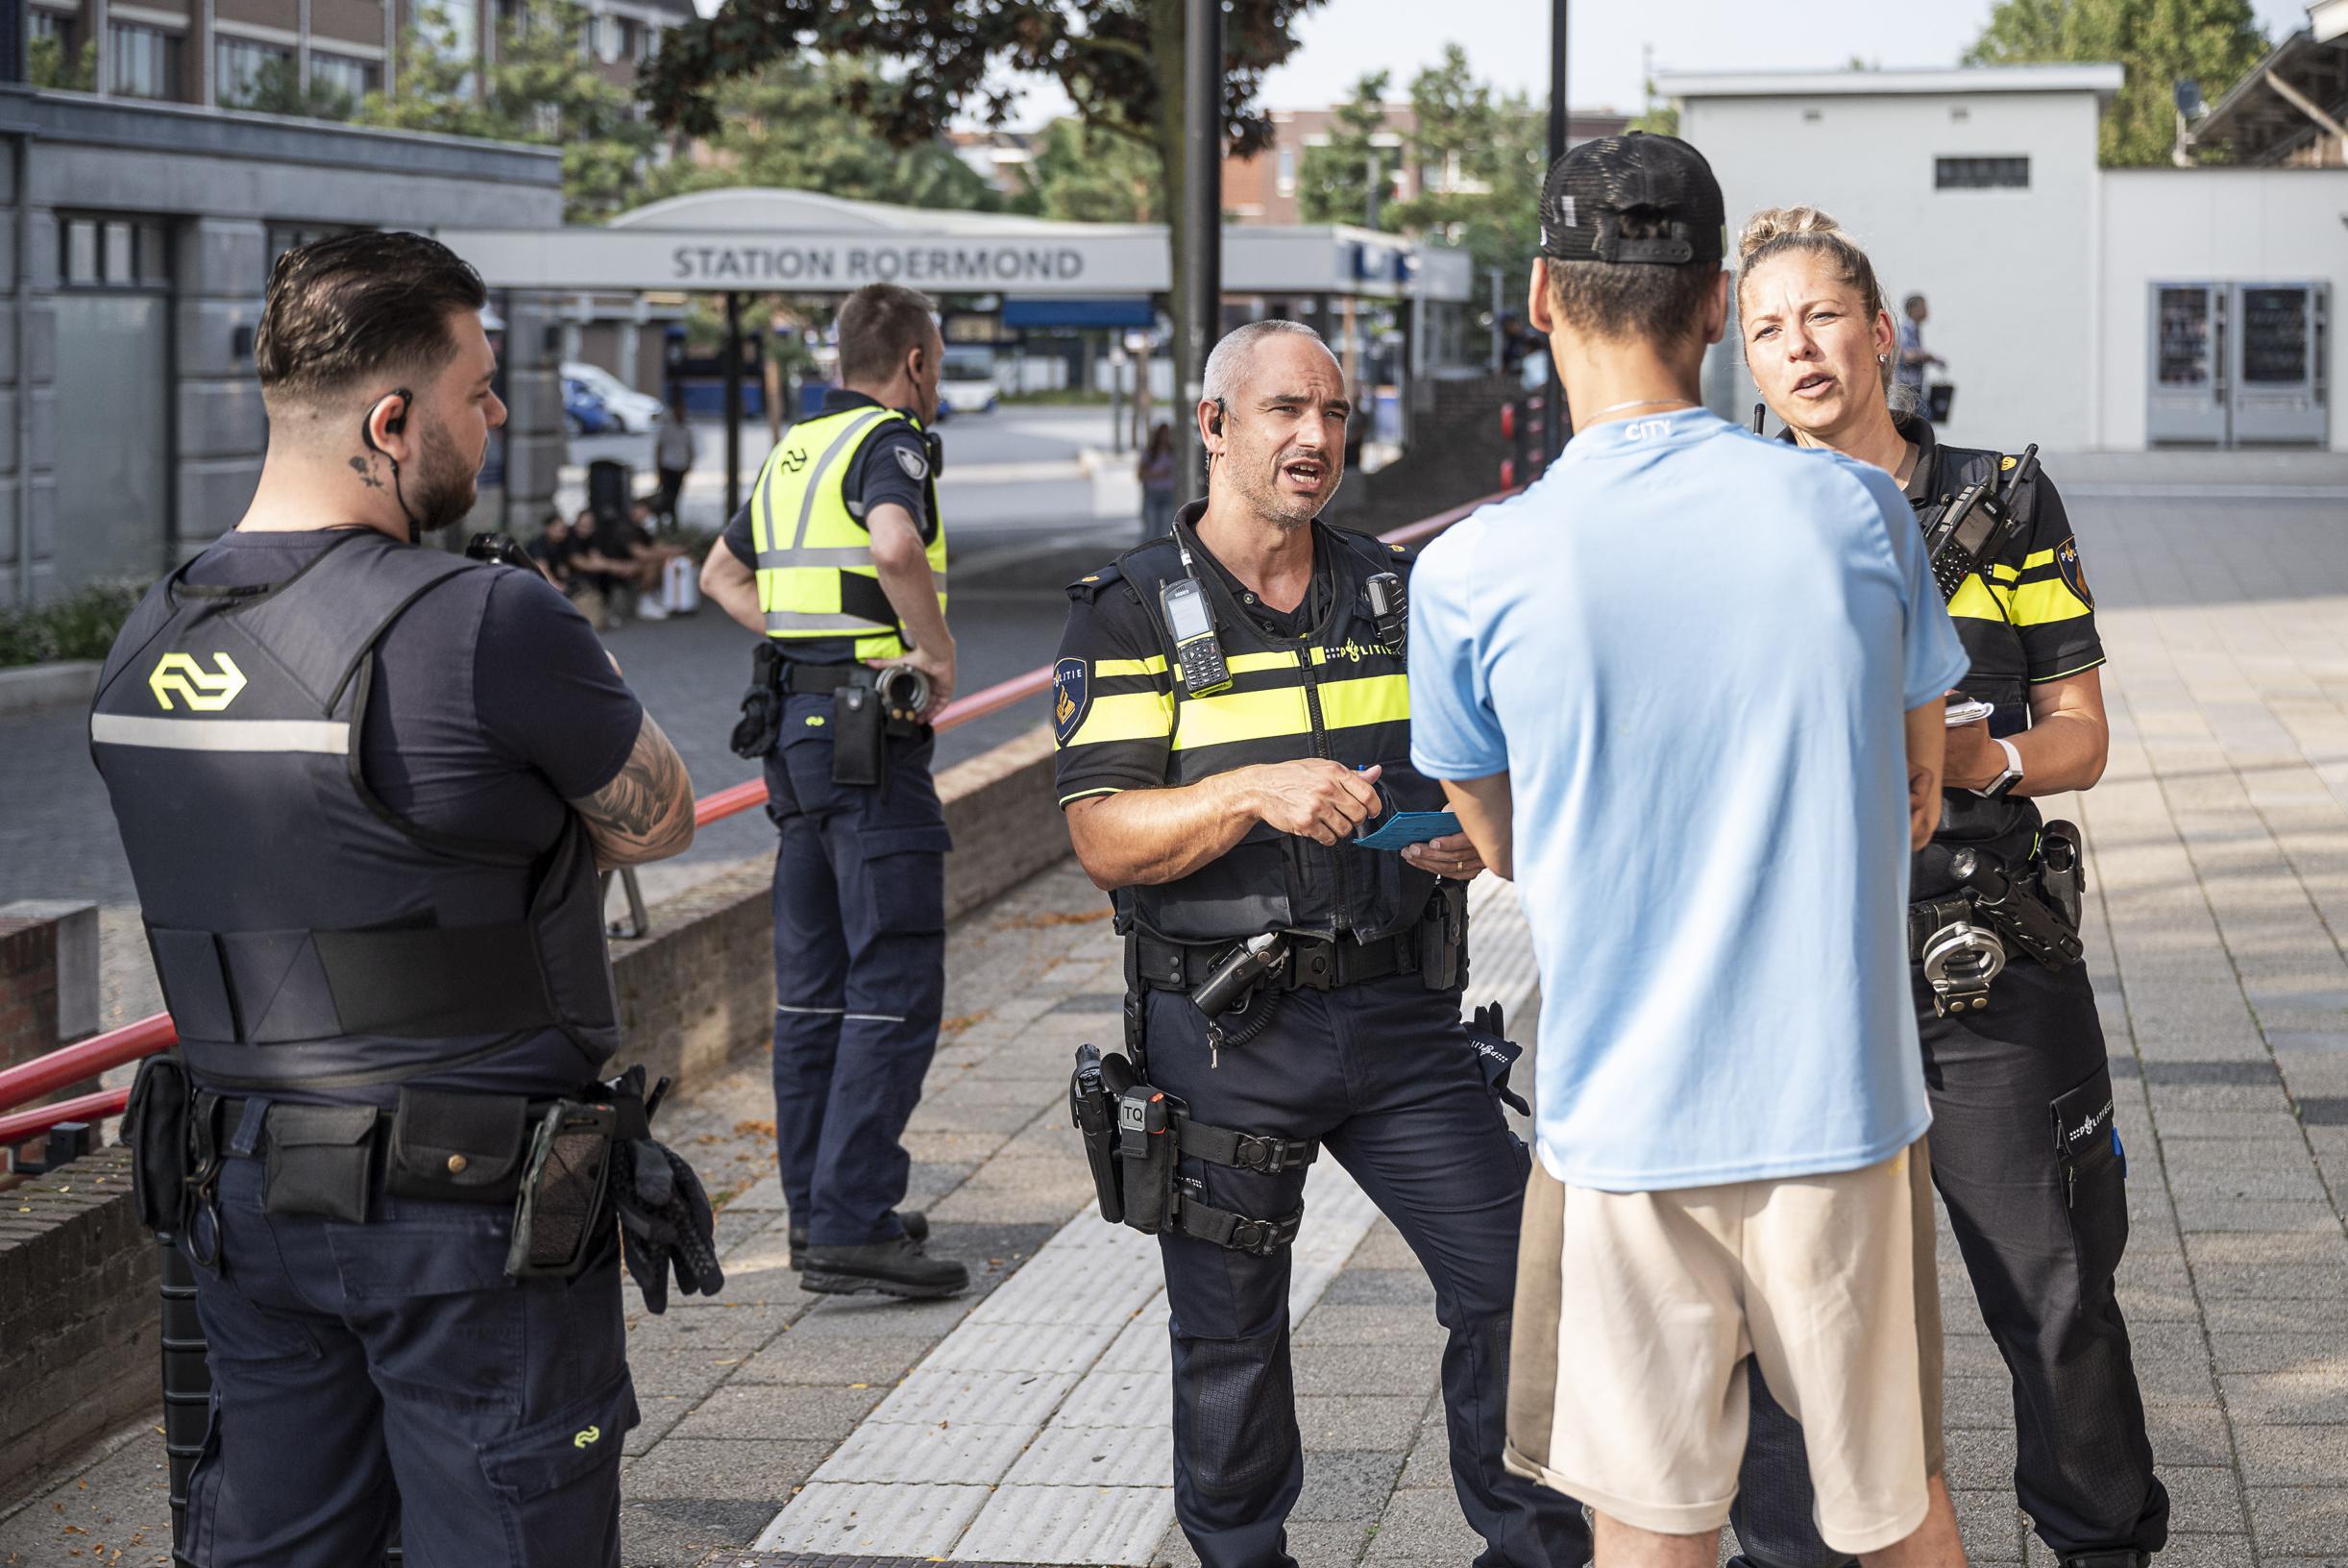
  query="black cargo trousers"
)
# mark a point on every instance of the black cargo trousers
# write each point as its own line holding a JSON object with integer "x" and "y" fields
{"x": 2042, "y": 1219}
{"x": 1381, "y": 1072}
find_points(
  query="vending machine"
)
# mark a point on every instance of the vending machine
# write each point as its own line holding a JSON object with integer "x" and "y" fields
{"x": 2281, "y": 343}
{"x": 2187, "y": 384}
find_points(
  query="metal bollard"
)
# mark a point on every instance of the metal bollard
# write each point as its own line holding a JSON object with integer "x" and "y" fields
{"x": 187, "y": 1394}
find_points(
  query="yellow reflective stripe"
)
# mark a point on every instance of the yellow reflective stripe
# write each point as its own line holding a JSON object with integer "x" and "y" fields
{"x": 1241, "y": 664}
{"x": 2038, "y": 557}
{"x": 1125, "y": 716}
{"x": 2036, "y": 604}
{"x": 1241, "y": 716}
{"x": 1109, "y": 669}
{"x": 1368, "y": 700}
{"x": 1976, "y": 601}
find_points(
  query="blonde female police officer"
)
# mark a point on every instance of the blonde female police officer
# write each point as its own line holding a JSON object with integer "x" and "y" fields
{"x": 2023, "y": 1148}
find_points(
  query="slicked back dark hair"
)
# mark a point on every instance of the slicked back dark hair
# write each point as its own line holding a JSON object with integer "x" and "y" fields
{"x": 360, "y": 307}
{"x": 879, "y": 325}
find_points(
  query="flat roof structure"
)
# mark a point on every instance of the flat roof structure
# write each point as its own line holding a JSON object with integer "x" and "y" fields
{"x": 760, "y": 240}
{"x": 2102, "y": 80}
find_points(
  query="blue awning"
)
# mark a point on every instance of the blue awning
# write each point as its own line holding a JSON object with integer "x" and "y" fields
{"x": 1078, "y": 314}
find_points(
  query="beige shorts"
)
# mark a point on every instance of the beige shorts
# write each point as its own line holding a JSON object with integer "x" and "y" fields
{"x": 1635, "y": 1312}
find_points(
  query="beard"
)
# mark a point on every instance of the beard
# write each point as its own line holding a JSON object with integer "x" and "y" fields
{"x": 1266, "y": 497}
{"x": 446, "y": 486}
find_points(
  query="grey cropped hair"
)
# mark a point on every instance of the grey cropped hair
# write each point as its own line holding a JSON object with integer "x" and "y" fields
{"x": 1221, "y": 378}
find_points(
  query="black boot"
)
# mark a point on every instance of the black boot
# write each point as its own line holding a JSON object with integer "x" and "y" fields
{"x": 916, "y": 1223}
{"x": 895, "y": 1267}
{"x": 2121, "y": 1556}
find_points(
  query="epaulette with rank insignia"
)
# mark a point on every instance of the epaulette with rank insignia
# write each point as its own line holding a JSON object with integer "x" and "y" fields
{"x": 1092, "y": 583}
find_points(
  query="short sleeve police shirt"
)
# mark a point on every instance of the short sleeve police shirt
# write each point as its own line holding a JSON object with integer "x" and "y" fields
{"x": 1112, "y": 700}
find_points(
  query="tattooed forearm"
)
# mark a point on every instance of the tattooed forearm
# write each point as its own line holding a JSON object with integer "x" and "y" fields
{"x": 647, "y": 812}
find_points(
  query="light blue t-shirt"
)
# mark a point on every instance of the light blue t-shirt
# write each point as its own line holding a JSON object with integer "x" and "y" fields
{"x": 1692, "y": 650}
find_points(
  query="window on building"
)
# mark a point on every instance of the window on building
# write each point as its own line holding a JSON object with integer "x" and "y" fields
{"x": 1981, "y": 174}
{"x": 112, "y": 253}
{"x": 144, "y": 61}
{"x": 1287, "y": 171}
{"x": 285, "y": 236}
{"x": 629, "y": 37}
{"x": 344, "y": 77}
{"x": 56, "y": 25}
{"x": 54, "y": 55}
{"x": 244, "y": 69}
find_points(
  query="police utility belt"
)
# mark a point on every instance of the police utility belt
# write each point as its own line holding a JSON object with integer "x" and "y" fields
{"x": 567, "y": 1167}
{"x": 868, "y": 707}
{"x": 1965, "y": 938}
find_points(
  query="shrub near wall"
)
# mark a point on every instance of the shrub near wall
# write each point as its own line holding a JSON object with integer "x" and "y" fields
{"x": 80, "y": 625}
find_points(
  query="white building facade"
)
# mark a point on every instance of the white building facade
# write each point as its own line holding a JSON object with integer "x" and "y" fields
{"x": 2063, "y": 296}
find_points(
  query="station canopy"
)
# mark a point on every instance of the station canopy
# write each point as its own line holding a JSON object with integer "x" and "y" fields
{"x": 763, "y": 240}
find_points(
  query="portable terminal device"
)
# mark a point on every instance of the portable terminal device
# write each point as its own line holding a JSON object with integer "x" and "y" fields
{"x": 1197, "y": 651}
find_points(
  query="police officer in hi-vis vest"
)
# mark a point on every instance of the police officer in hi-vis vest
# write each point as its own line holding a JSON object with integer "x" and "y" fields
{"x": 839, "y": 561}
{"x": 364, "y": 787}
{"x": 1231, "y": 710}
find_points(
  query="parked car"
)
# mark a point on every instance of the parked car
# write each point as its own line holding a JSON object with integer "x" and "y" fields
{"x": 583, "y": 412}
{"x": 638, "y": 413}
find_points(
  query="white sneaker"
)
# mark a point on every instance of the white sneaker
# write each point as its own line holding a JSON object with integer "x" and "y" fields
{"x": 650, "y": 609}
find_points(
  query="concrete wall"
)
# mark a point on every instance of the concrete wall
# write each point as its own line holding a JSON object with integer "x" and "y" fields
{"x": 2009, "y": 273}
{"x": 222, "y": 181}
{"x": 2226, "y": 225}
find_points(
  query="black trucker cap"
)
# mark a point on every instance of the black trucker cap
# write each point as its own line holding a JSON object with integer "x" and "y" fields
{"x": 1660, "y": 179}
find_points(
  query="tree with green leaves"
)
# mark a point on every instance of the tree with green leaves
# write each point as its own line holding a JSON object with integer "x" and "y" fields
{"x": 1490, "y": 149}
{"x": 1333, "y": 183}
{"x": 46, "y": 64}
{"x": 790, "y": 126}
{"x": 1080, "y": 175}
{"x": 1119, "y": 61}
{"x": 2209, "y": 43}
{"x": 275, "y": 88}
{"x": 538, "y": 87}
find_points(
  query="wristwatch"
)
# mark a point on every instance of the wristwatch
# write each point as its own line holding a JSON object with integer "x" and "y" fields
{"x": 1997, "y": 788}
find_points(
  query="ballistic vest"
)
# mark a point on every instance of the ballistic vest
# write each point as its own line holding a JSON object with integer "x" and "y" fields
{"x": 305, "y": 935}
{"x": 815, "y": 576}
{"x": 1337, "y": 692}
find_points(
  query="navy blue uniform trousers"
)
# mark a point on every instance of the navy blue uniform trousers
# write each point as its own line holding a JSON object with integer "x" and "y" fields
{"x": 389, "y": 1374}
{"x": 858, "y": 972}
{"x": 2041, "y": 1238}
{"x": 1384, "y": 1074}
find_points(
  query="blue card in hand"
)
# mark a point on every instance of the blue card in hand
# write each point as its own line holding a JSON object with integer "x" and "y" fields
{"x": 1408, "y": 827}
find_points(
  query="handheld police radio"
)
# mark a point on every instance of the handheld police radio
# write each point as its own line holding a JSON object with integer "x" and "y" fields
{"x": 1389, "y": 609}
{"x": 1977, "y": 527}
{"x": 1197, "y": 652}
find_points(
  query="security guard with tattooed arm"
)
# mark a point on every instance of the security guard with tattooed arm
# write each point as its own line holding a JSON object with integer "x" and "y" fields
{"x": 364, "y": 789}
{"x": 1232, "y": 715}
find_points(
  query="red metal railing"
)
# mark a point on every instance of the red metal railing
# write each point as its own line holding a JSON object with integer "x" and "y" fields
{"x": 102, "y": 1053}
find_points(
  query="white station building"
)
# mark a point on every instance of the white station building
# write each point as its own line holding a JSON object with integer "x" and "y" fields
{"x": 2079, "y": 308}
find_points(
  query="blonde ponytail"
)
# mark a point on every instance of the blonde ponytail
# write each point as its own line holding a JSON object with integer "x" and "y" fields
{"x": 1775, "y": 231}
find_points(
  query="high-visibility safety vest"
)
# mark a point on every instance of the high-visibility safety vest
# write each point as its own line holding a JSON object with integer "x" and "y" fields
{"x": 306, "y": 936}
{"x": 815, "y": 576}
{"x": 1337, "y": 692}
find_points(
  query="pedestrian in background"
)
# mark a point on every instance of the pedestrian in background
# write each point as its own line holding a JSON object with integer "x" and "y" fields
{"x": 1912, "y": 356}
{"x": 1687, "y": 688}
{"x": 673, "y": 454}
{"x": 1155, "y": 472}
{"x": 839, "y": 561}
{"x": 2023, "y": 1147}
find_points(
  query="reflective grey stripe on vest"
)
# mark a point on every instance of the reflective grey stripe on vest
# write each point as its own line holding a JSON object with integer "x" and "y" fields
{"x": 814, "y": 487}
{"x": 319, "y": 735}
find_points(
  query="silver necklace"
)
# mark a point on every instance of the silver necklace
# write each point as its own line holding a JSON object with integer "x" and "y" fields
{"x": 1643, "y": 402}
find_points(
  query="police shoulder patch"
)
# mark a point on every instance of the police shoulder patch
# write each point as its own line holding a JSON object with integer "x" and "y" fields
{"x": 1071, "y": 696}
{"x": 912, "y": 461}
{"x": 2074, "y": 575}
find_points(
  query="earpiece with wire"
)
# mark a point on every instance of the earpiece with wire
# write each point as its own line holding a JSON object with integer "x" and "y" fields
{"x": 393, "y": 424}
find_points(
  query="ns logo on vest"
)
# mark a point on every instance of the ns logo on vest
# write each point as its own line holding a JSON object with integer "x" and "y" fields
{"x": 203, "y": 691}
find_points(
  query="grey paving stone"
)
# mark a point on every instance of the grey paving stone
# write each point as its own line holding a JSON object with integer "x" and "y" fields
{"x": 1383, "y": 1248}
{"x": 2293, "y": 1456}
{"x": 1360, "y": 1286}
{"x": 2288, "y": 1352}
{"x": 2187, "y": 1434}
{"x": 1423, "y": 1525}
{"x": 724, "y": 1469}
{"x": 833, "y": 1361}
{"x": 780, "y": 1411}
{"x": 1346, "y": 1325}
{"x": 1364, "y": 1369}
{"x": 689, "y": 1373}
{"x": 2204, "y": 1499}
{"x": 2308, "y": 1520}
{"x": 681, "y": 1531}
{"x": 715, "y": 1331}
{"x": 853, "y": 1317}
{"x": 1313, "y": 1544}
{"x": 1346, "y": 1485}
{"x": 2286, "y": 1398}
{"x": 1989, "y": 1525}
{"x": 1346, "y": 1422}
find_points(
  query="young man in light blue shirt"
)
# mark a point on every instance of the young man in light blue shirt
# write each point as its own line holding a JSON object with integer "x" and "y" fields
{"x": 1687, "y": 689}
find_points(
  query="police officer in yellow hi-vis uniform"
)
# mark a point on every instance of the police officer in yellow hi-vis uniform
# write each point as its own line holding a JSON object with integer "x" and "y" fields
{"x": 839, "y": 561}
{"x": 1231, "y": 710}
